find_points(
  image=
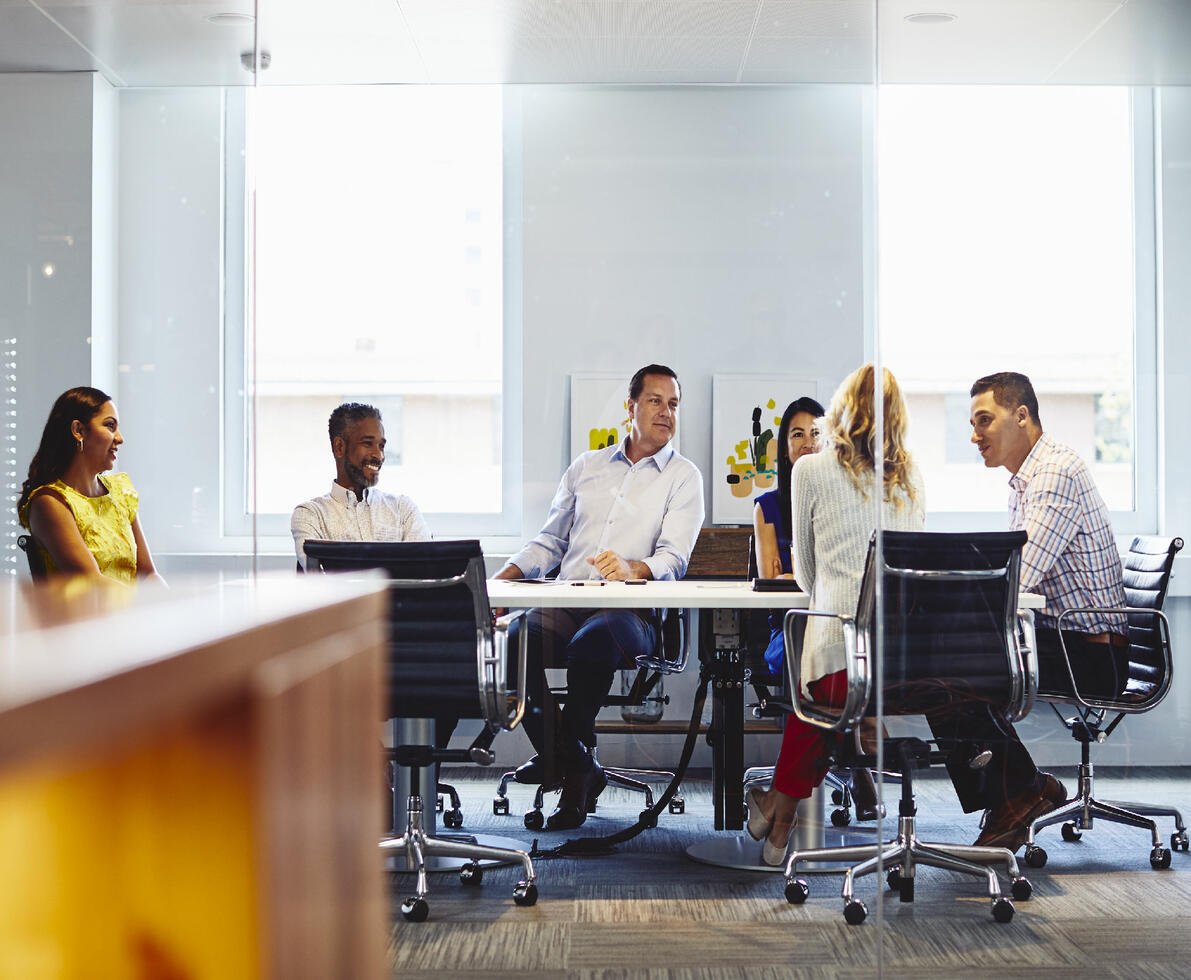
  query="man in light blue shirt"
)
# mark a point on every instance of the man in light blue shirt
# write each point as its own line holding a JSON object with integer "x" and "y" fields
{"x": 630, "y": 511}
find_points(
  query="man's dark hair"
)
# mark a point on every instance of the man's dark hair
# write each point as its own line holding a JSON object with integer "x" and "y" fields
{"x": 347, "y": 415}
{"x": 1009, "y": 389}
{"x": 637, "y": 384}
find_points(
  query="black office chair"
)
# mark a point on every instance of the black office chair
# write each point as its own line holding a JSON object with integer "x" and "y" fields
{"x": 669, "y": 656}
{"x": 37, "y": 567}
{"x": 452, "y": 818}
{"x": 951, "y": 631}
{"x": 1148, "y": 567}
{"x": 448, "y": 656}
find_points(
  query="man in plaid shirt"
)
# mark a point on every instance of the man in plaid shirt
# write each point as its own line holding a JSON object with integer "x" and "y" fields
{"x": 1070, "y": 557}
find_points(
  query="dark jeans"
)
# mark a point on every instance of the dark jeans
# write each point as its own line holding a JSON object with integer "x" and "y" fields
{"x": 968, "y": 728}
{"x": 592, "y": 646}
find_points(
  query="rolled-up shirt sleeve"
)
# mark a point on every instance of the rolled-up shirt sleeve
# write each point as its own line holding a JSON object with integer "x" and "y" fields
{"x": 680, "y": 529}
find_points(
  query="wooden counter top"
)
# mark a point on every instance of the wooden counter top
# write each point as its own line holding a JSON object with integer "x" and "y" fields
{"x": 190, "y": 779}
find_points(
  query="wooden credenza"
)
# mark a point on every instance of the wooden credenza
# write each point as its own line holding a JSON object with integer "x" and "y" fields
{"x": 190, "y": 780}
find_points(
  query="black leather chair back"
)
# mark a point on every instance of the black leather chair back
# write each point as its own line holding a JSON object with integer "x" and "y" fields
{"x": 37, "y": 568}
{"x": 438, "y": 617}
{"x": 950, "y": 616}
{"x": 1147, "y": 569}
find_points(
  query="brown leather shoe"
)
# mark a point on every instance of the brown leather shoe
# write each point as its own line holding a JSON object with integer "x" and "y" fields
{"x": 1009, "y": 824}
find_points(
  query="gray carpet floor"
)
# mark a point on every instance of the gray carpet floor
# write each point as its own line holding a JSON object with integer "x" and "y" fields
{"x": 1098, "y": 908}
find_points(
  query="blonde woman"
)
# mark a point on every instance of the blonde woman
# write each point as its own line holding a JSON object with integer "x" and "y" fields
{"x": 833, "y": 517}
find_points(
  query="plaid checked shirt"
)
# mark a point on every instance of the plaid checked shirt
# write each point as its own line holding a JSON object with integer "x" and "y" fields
{"x": 1070, "y": 557}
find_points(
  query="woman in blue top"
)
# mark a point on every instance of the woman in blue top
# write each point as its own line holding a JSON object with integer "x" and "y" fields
{"x": 797, "y": 436}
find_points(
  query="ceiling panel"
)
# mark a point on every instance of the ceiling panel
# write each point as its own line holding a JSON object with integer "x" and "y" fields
{"x": 170, "y": 42}
{"x": 31, "y": 42}
{"x": 1007, "y": 41}
{"x": 156, "y": 43}
{"x": 809, "y": 59}
{"x": 1147, "y": 42}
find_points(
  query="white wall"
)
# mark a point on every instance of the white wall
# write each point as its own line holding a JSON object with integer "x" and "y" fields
{"x": 52, "y": 124}
{"x": 716, "y": 230}
{"x": 171, "y": 314}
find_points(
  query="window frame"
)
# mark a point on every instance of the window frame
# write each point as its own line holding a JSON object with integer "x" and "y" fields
{"x": 1143, "y": 517}
{"x": 238, "y": 518}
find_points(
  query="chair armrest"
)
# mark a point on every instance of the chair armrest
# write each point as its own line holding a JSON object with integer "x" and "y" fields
{"x": 1025, "y": 645}
{"x": 856, "y": 661}
{"x": 663, "y": 659}
{"x": 1115, "y": 704}
{"x": 500, "y": 635}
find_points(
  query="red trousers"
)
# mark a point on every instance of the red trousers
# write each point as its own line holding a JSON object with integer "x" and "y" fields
{"x": 806, "y": 750}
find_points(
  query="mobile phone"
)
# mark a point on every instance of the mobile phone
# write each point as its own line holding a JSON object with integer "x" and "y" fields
{"x": 775, "y": 585}
{"x": 635, "y": 581}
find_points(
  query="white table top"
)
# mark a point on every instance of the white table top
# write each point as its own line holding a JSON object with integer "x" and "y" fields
{"x": 689, "y": 594}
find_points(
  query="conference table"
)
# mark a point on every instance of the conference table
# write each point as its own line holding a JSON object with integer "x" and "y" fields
{"x": 721, "y": 652}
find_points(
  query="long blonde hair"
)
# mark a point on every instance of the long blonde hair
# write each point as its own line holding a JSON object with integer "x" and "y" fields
{"x": 851, "y": 433}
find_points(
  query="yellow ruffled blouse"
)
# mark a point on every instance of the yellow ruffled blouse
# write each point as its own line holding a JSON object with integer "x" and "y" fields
{"x": 104, "y": 522}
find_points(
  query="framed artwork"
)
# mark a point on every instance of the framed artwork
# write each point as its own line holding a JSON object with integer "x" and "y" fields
{"x": 746, "y": 412}
{"x": 600, "y": 411}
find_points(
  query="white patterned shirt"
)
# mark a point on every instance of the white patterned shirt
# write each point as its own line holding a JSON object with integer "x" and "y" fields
{"x": 1070, "y": 556}
{"x": 339, "y": 516}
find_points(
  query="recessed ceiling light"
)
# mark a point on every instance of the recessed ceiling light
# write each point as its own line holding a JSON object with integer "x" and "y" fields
{"x": 930, "y": 18}
{"x": 230, "y": 18}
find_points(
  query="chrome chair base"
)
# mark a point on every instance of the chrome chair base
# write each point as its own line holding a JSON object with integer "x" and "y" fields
{"x": 1079, "y": 813}
{"x": 634, "y": 779}
{"x": 418, "y": 846}
{"x": 900, "y": 858}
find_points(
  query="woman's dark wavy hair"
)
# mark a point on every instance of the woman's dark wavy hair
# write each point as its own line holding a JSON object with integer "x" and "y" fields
{"x": 58, "y": 446}
{"x": 784, "y": 466}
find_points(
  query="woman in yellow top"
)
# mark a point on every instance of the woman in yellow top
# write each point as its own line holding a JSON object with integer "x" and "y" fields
{"x": 84, "y": 520}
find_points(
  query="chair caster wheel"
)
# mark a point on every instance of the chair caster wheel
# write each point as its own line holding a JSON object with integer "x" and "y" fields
{"x": 500, "y": 806}
{"x": 1069, "y": 831}
{"x": 678, "y": 805}
{"x": 649, "y": 819}
{"x": 1035, "y": 856}
{"x": 1021, "y": 889}
{"x": 534, "y": 820}
{"x": 1002, "y": 909}
{"x": 797, "y": 891}
{"x": 471, "y": 874}
{"x": 525, "y": 894}
{"x": 453, "y": 818}
{"x": 438, "y": 805}
{"x": 840, "y": 817}
{"x": 855, "y": 912}
{"x": 893, "y": 880}
{"x": 1178, "y": 841}
{"x": 415, "y": 909}
{"x": 1159, "y": 858}
{"x": 837, "y": 796}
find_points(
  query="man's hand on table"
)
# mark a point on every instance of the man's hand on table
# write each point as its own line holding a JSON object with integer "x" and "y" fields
{"x": 615, "y": 569}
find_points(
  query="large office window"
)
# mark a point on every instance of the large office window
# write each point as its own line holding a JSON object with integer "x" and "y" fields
{"x": 376, "y": 276}
{"x": 1015, "y": 233}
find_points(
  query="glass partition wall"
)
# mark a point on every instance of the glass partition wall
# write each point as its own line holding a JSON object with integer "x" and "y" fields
{"x": 457, "y": 219}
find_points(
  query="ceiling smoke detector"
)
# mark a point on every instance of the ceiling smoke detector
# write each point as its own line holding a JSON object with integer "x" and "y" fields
{"x": 248, "y": 60}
